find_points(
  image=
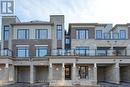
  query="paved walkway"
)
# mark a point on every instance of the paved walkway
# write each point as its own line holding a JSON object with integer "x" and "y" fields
{"x": 27, "y": 85}
{"x": 104, "y": 84}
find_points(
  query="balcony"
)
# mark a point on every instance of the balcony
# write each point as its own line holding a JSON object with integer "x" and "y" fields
{"x": 74, "y": 52}
{"x": 6, "y": 52}
{"x": 90, "y": 52}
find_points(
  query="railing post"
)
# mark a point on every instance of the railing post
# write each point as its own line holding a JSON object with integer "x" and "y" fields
{"x": 95, "y": 52}
{"x": 125, "y": 52}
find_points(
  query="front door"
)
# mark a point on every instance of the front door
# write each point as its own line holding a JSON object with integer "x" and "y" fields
{"x": 83, "y": 72}
{"x": 68, "y": 72}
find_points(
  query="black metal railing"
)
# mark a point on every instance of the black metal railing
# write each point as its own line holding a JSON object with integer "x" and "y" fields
{"x": 5, "y": 52}
{"x": 76, "y": 52}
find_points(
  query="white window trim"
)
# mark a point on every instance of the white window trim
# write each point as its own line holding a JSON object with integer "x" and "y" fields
{"x": 41, "y": 45}
{"x": 22, "y": 45}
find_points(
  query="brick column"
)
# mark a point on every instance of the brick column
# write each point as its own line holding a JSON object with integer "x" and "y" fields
{"x": 63, "y": 71}
{"x": 50, "y": 72}
{"x": 74, "y": 72}
{"x": 31, "y": 73}
{"x": 89, "y": 73}
{"x": 7, "y": 72}
{"x": 117, "y": 73}
{"x": 95, "y": 73}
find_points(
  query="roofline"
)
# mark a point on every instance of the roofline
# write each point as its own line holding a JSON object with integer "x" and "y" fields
{"x": 119, "y": 25}
{"x": 95, "y": 24}
{"x": 56, "y": 15}
{"x": 46, "y": 23}
{"x": 12, "y": 16}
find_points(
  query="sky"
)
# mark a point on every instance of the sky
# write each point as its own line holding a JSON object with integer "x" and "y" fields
{"x": 86, "y": 11}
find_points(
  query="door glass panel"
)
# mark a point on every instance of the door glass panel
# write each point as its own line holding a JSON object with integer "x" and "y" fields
{"x": 83, "y": 72}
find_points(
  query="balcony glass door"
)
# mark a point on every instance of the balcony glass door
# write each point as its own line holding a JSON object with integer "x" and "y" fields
{"x": 83, "y": 72}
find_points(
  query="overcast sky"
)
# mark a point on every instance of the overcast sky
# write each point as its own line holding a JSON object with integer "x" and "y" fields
{"x": 89, "y": 11}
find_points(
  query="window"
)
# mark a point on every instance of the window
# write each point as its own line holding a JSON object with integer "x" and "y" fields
{"x": 122, "y": 34}
{"x": 6, "y": 32}
{"x": 106, "y": 35}
{"x": 22, "y": 52}
{"x": 59, "y": 32}
{"x": 41, "y": 51}
{"x": 41, "y": 33}
{"x": 82, "y": 34}
{"x": 23, "y": 33}
{"x": 59, "y": 51}
{"x": 115, "y": 36}
{"x": 67, "y": 41}
{"x": 82, "y": 51}
{"x": 98, "y": 34}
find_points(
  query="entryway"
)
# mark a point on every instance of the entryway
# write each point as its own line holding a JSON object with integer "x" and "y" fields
{"x": 67, "y": 72}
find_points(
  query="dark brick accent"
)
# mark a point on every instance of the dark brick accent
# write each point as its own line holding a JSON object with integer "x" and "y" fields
{"x": 59, "y": 43}
{"x": 128, "y": 32}
{"x": 91, "y": 32}
{"x": 5, "y": 44}
{"x": 31, "y": 43}
{"x": 90, "y": 29}
{"x": 6, "y": 21}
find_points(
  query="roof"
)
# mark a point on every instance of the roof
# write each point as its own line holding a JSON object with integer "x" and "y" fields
{"x": 17, "y": 19}
{"x": 94, "y": 24}
{"x": 34, "y": 23}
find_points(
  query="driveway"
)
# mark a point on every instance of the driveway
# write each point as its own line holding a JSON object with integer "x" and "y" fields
{"x": 123, "y": 84}
{"x": 27, "y": 85}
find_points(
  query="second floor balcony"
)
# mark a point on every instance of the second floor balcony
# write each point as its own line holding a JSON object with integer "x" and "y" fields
{"x": 90, "y": 52}
{"x": 73, "y": 52}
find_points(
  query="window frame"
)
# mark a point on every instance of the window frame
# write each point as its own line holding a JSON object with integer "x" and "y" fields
{"x": 37, "y": 34}
{"x": 26, "y": 49}
{"x": 113, "y": 35}
{"x": 67, "y": 40}
{"x": 41, "y": 48}
{"x": 78, "y": 34}
{"x": 107, "y": 36}
{"x": 97, "y": 34}
{"x": 26, "y": 31}
{"x": 120, "y": 36}
{"x": 6, "y": 31}
{"x": 59, "y": 32}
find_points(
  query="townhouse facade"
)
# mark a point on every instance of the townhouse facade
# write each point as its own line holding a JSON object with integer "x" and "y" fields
{"x": 40, "y": 51}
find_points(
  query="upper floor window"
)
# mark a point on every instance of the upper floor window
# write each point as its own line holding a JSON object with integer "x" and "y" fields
{"x": 22, "y": 52}
{"x": 98, "y": 34}
{"x": 59, "y": 32}
{"x": 6, "y": 32}
{"x": 41, "y": 51}
{"x": 122, "y": 34}
{"x": 82, "y": 34}
{"x": 67, "y": 41}
{"x": 41, "y": 33}
{"x": 115, "y": 35}
{"x": 23, "y": 33}
{"x": 107, "y": 35}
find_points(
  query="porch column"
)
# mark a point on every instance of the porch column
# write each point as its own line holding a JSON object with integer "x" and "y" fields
{"x": 63, "y": 71}
{"x": 6, "y": 72}
{"x": 117, "y": 73}
{"x": 74, "y": 72}
{"x": 50, "y": 71}
{"x": 31, "y": 73}
{"x": 11, "y": 73}
{"x": 89, "y": 73}
{"x": 95, "y": 73}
